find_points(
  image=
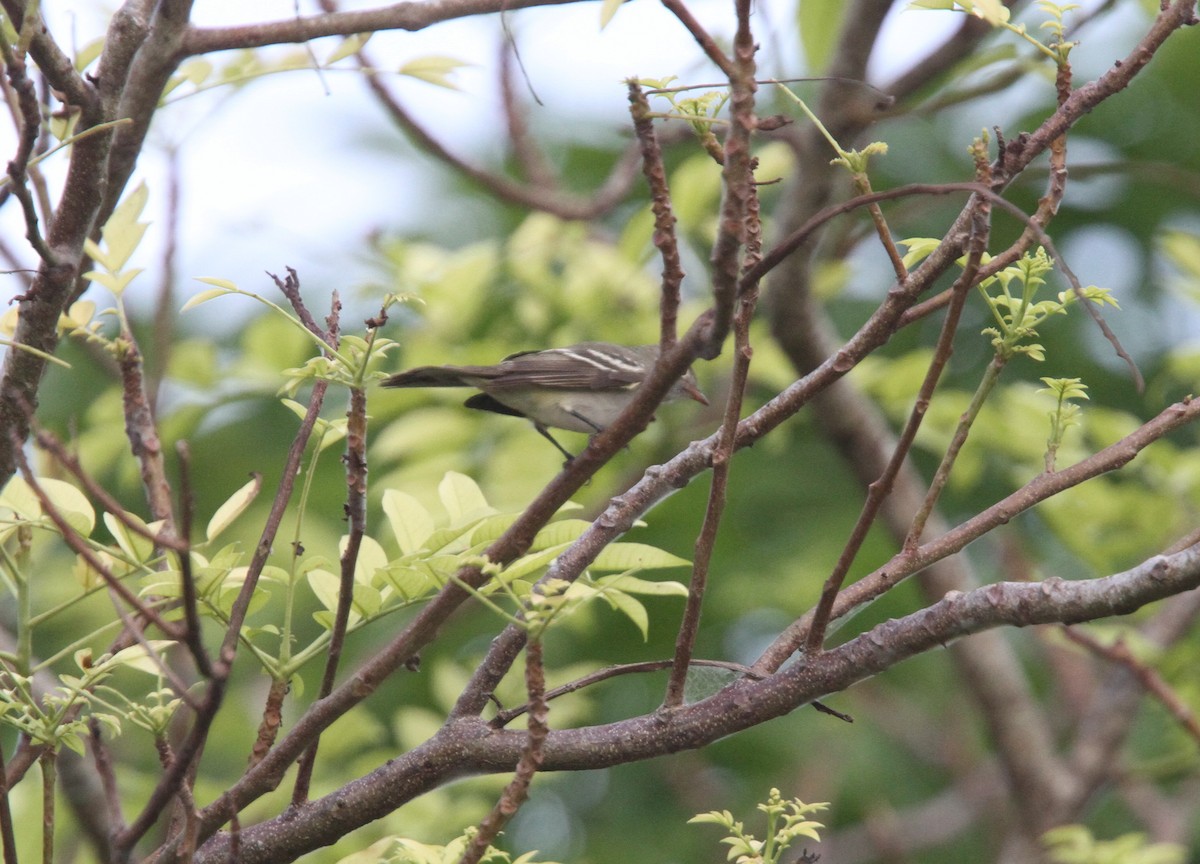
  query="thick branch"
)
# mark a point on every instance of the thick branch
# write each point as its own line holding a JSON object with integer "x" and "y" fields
{"x": 468, "y": 746}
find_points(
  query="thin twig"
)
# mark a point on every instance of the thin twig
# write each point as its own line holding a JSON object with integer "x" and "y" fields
{"x": 31, "y": 121}
{"x": 355, "y": 509}
{"x": 664, "y": 237}
{"x": 689, "y": 625}
{"x": 48, "y": 442}
{"x": 737, "y": 181}
{"x": 174, "y": 778}
{"x": 537, "y": 195}
{"x": 707, "y": 44}
{"x": 192, "y": 633}
{"x": 1148, "y": 677}
{"x": 882, "y": 487}
{"x": 1040, "y": 488}
{"x": 102, "y": 758}
{"x": 49, "y": 778}
{"x": 506, "y": 716}
{"x": 356, "y": 512}
{"x": 525, "y": 148}
{"x": 78, "y": 545}
{"x": 517, "y": 790}
{"x": 142, "y": 431}
{"x": 7, "y": 837}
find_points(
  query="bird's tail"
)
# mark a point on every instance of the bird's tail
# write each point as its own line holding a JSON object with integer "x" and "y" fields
{"x": 429, "y": 376}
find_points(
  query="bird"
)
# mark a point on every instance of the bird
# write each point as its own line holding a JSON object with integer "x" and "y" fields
{"x": 580, "y": 388}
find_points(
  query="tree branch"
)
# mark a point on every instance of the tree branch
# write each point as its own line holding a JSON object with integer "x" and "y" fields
{"x": 468, "y": 746}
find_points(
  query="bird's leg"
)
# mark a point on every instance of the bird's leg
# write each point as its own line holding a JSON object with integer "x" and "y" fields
{"x": 598, "y": 429}
{"x": 583, "y": 419}
{"x": 545, "y": 433}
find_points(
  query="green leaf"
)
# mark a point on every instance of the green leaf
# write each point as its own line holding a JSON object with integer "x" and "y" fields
{"x": 370, "y": 559}
{"x": 233, "y": 507}
{"x": 636, "y": 556}
{"x": 79, "y": 315}
{"x": 409, "y": 582}
{"x": 89, "y": 52}
{"x": 325, "y": 586}
{"x": 993, "y": 12}
{"x": 462, "y": 498}
{"x": 196, "y": 70}
{"x": 492, "y": 527}
{"x": 350, "y": 45}
{"x": 68, "y": 501}
{"x": 136, "y": 546}
{"x": 450, "y": 539}
{"x": 919, "y": 248}
{"x": 532, "y": 562}
{"x": 410, "y": 522}
{"x": 123, "y": 232}
{"x": 205, "y": 296}
{"x": 1182, "y": 249}
{"x": 560, "y": 532}
{"x": 73, "y": 743}
{"x": 216, "y": 282}
{"x": 631, "y": 609}
{"x": 434, "y": 69}
{"x": 713, "y": 817}
{"x": 608, "y": 10}
{"x": 136, "y": 657}
{"x": 630, "y": 584}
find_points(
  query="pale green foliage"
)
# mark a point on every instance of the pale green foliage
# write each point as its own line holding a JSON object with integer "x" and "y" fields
{"x": 242, "y": 67}
{"x": 59, "y": 718}
{"x": 1018, "y": 315}
{"x": 1065, "y": 413}
{"x": 430, "y": 556}
{"x": 787, "y": 822}
{"x": 1056, "y": 28}
{"x": 403, "y": 850}
{"x": 700, "y": 112}
{"x": 854, "y": 161}
{"x": 608, "y": 9}
{"x": 1106, "y": 525}
{"x": 120, "y": 238}
{"x": 434, "y": 69}
{"x": 995, "y": 13}
{"x": 432, "y": 548}
{"x": 992, "y": 11}
{"x": 21, "y": 506}
{"x": 354, "y": 361}
{"x": 233, "y": 507}
{"x": 1011, "y": 295}
{"x": 1074, "y": 844}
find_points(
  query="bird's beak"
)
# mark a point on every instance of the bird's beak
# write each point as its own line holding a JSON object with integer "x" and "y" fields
{"x": 694, "y": 392}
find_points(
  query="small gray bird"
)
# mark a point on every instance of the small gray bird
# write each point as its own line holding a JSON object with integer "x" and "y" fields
{"x": 580, "y": 388}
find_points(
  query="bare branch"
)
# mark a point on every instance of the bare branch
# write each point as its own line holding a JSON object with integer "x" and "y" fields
{"x": 468, "y": 747}
{"x": 1039, "y": 489}
{"x": 411, "y": 16}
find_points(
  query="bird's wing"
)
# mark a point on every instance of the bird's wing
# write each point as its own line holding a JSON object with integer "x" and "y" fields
{"x": 580, "y": 367}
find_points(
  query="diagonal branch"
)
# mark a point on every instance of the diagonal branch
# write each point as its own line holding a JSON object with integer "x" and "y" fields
{"x": 1044, "y": 486}
{"x": 469, "y": 747}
